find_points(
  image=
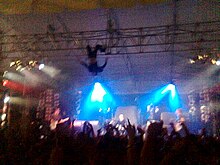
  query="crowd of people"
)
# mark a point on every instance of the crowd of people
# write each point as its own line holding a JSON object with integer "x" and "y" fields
{"x": 69, "y": 144}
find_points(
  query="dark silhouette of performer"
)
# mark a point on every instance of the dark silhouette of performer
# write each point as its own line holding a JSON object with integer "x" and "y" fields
{"x": 92, "y": 65}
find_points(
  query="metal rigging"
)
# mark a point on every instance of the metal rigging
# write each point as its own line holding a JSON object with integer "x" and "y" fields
{"x": 200, "y": 37}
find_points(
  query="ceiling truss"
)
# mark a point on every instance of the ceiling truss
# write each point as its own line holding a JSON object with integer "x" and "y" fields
{"x": 195, "y": 38}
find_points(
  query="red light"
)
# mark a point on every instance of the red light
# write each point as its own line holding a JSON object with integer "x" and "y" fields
{"x": 5, "y": 82}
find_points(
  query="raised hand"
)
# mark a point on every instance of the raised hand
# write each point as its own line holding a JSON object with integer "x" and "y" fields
{"x": 140, "y": 130}
{"x": 130, "y": 130}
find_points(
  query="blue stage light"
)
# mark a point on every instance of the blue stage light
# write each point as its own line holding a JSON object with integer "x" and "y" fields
{"x": 171, "y": 88}
{"x": 98, "y": 103}
{"x": 166, "y": 95}
{"x": 174, "y": 100}
{"x": 98, "y": 93}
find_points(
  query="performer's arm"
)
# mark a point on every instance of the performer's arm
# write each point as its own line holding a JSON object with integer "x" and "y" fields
{"x": 89, "y": 49}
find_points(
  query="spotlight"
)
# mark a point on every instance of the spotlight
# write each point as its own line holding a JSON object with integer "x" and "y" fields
{"x": 12, "y": 64}
{"x": 171, "y": 91}
{"x": 5, "y": 82}
{"x": 213, "y": 61}
{"x": 171, "y": 88}
{"x": 6, "y": 99}
{"x": 18, "y": 67}
{"x": 32, "y": 63}
{"x": 205, "y": 56}
{"x": 192, "y": 61}
{"x": 22, "y": 69}
{"x": 18, "y": 62}
{"x": 200, "y": 57}
{"x": 218, "y": 62}
{"x": 3, "y": 117}
{"x": 98, "y": 93}
{"x": 35, "y": 64}
{"x": 41, "y": 66}
{"x": 5, "y": 73}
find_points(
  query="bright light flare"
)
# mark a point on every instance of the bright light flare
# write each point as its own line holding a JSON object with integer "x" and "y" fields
{"x": 192, "y": 61}
{"x": 98, "y": 93}
{"x": 18, "y": 67}
{"x": 6, "y": 99}
{"x": 5, "y": 82}
{"x": 12, "y": 63}
{"x": 98, "y": 102}
{"x": 5, "y": 73}
{"x": 217, "y": 63}
{"x": 22, "y": 69}
{"x": 170, "y": 88}
{"x": 200, "y": 57}
{"x": 3, "y": 117}
{"x": 41, "y": 66}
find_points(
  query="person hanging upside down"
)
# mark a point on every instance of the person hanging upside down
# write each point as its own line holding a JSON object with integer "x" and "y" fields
{"x": 92, "y": 64}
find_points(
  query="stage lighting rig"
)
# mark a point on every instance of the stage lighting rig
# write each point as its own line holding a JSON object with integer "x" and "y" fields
{"x": 213, "y": 59}
{"x": 17, "y": 64}
{"x": 29, "y": 65}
